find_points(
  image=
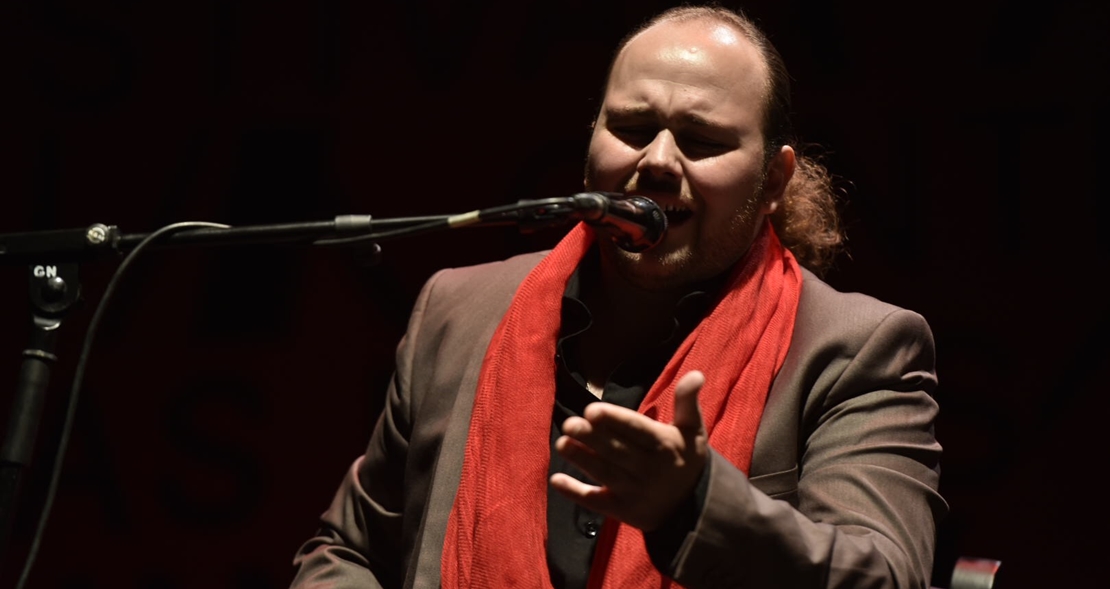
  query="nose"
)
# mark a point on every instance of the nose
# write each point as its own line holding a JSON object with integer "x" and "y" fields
{"x": 661, "y": 157}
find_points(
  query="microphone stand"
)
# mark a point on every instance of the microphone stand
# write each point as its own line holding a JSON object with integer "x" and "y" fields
{"x": 53, "y": 257}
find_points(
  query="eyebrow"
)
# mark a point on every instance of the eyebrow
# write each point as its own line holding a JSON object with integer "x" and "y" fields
{"x": 643, "y": 111}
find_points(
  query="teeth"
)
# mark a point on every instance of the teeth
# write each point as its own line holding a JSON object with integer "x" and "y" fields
{"x": 677, "y": 214}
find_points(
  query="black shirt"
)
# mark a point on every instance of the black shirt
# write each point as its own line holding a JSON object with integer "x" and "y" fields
{"x": 573, "y": 530}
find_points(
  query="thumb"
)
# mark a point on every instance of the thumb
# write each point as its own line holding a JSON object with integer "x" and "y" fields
{"x": 687, "y": 413}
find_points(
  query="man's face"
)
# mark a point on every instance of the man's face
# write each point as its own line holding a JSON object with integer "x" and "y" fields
{"x": 681, "y": 125}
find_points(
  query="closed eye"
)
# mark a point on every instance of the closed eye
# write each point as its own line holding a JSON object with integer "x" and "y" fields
{"x": 697, "y": 147}
{"x": 635, "y": 135}
{"x": 694, "y": 145}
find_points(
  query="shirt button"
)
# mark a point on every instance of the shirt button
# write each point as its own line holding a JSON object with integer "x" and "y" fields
{"x": 590, "y": 529}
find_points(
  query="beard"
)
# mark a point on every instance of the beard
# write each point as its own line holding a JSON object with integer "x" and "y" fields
{"x": 700, "y": 248}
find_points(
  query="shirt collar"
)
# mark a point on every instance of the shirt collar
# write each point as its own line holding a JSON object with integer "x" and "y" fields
{"x": 688, "y": 311}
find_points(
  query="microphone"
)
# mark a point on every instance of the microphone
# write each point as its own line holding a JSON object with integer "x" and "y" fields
{"x": 634, "y": 224}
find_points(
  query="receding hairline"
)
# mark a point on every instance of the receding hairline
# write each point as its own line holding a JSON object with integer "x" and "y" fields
{"x": 710, "y": 18}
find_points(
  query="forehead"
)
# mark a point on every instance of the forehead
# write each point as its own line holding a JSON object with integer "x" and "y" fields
{"x": 705, "y": 56}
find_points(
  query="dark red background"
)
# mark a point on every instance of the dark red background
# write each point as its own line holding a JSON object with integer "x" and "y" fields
{"x": 229, "y": 388}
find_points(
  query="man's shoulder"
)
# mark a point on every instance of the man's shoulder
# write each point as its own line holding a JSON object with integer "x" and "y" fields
{"x": 822, "y": 294}
{"x": 467, "y": 300}
{"x": 825, "y": 309}
{"x": 509, "y": 272}
{"x": 489, "y": 285}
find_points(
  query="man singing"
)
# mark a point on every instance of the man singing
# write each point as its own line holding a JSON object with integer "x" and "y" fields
{"x": 706, "y": 413}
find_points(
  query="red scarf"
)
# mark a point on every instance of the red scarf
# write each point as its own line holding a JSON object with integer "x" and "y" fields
{"x": 497, "y": 531}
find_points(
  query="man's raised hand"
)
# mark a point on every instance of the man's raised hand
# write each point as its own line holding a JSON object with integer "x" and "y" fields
{"x": 643, "y": 469}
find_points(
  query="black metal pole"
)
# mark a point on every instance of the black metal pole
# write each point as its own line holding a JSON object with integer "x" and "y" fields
{"x": 53, "y": 289}
{"x": 23, "y": 423}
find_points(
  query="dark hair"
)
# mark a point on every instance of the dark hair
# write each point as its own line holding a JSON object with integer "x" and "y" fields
{"x": 808, "y": 222}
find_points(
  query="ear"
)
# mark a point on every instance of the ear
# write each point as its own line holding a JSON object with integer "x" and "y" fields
{"x": 779, "y": 172}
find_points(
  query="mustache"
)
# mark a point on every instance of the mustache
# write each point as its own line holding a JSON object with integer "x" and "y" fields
{"x": 649, "y": 183}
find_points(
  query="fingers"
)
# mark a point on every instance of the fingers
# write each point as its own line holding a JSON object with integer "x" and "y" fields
{"x": 687, "y": 413}
{"x": 627, "y": 437}
{"x": 596, "y": 499}
{"x": 639, "y": 468}
{"x": 625, "y": 426}
{"x": 604, "y": 471}
{"x": 604, "y": 458}
{"x": 618, "y": 446}
{"x": 637, "y": 429}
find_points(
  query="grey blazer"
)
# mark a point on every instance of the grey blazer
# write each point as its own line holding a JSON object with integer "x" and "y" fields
{"x": 843, "y": 484}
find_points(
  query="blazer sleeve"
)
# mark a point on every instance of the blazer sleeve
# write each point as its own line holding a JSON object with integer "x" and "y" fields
{"x": 866, "y": 504}
{"x": 358, "y": 543}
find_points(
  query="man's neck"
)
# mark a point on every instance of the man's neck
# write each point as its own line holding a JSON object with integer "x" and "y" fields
{"x": 626, "y": 305}
{"x": 626, "y": 321}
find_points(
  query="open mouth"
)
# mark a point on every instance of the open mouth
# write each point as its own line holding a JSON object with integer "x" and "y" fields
{"x": 677, "y": 215}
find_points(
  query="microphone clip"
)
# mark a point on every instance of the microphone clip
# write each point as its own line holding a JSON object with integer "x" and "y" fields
{"x": 534, "y": 215}
{"x": 633, "y": 223}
